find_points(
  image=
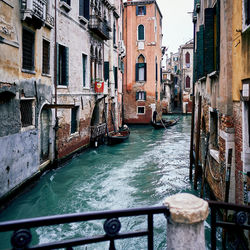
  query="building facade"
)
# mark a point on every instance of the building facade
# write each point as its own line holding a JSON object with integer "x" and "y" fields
{"x": 61, "y": 70}
{"x": 186, "y": 76}
{"x": 142, "y": 78}
{"x": 221, "y": 76}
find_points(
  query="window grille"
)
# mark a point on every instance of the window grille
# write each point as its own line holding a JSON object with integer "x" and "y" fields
{"x": 46, "y": 57}
{"x": 26, "y": 113}
{"x": 28, "y": 49}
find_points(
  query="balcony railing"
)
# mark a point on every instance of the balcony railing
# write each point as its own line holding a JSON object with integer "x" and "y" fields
{"x": 22, "y": 236}
{"x": 99, "y": 130}
{"x": 34, "y": 11}
{"x": 98, "y": 26}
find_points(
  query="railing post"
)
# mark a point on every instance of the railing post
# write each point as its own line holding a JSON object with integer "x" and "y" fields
{"x": 185, "y": 229}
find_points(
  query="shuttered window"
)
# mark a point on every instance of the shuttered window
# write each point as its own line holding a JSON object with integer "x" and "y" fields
{"x": 62, "y": 65}
{"x": 115, "y": 77}
{"x": 140, "y": 32}
{"x": 106, "y": 71}
{"x": 84, "y": 66}
{"x": 156, "y": 71}
{"x": 141, "y": 72}
{"x": 84, "y": 8}
{"x": 26, "y": 111}
{"x": 187, "y": 59}
{"x": 74, "y": 119}
{"x": 200, "y": 52}
{"x": 140, "y": 10}
{"x": 28, "y": 49}
{"x": 114, "y": 33}
{"x": 141, "y": 96}
{"x": 46, "y": 57}
{"x": 209, "y": 40}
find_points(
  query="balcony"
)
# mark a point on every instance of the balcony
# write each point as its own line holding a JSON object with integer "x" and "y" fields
{"x": 34, "y": 12}
{"x": 99, "y": 27}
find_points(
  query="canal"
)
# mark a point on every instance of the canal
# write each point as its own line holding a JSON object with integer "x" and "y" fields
{"x": 150, "y": 166}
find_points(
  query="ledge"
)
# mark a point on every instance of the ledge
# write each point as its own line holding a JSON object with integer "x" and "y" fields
{"x": 65, "y": 6}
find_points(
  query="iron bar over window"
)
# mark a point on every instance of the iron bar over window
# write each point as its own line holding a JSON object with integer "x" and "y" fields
{"x": 28, "y": 49}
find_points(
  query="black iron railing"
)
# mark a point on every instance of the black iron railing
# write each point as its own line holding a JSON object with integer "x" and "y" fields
{"x": 21, "y": 237}
{"x": 99, "y": 26}
{"x": 231, "y": 218}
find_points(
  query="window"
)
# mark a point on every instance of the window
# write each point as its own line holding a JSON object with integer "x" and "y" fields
{"x": 141, "y": 96}
{"x": 114, "y": 33}
{"x": 66, "y": 1}
{"x": 141, "y": 110}
{"x": 187, "y": 60}
{"x": 106, "y": 71}
{"x": 62, "y": 65}
{"x": 141, "y": 32}
{"x": 141, "y": 71}
{"x": 187, "y": 82}
{"x": 84, "y": 8}
{"x": 246, "y": 14}
{"x": 140, "y": 10}
{"x": 156, "y": 70}
{"x": 115, "y": 76}
{"x": 214, "y": 129}
{"x": 46, "y": 57}
{"x": 28, "y": 50}
{"x": 26, "y": 110}
{"x": 84, "y": 66}
{"x": 74, "y": 112}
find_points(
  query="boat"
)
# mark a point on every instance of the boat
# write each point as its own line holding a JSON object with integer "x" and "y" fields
{"x": 118, "y": 137}
{"x": 164, "y": 123}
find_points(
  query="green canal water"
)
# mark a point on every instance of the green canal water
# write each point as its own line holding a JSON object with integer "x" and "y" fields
{"x": 143, "y": 171}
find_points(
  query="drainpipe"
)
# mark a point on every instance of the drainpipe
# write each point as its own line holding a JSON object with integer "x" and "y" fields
{"x": 55, "y": 86}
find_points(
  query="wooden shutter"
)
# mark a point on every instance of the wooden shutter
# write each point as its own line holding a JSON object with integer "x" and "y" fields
{"x": 66, "y": 66}
{"x": 145, "y": 95}
{"x": 200, "y": 52}
{"x": 137, "y": 10}
{"x": 28, "y": 49}
{"x": 140, "y": 32}
{"x": 46, "y": 57}
{"x": 136, "y": 71}
{"x": 137, "y": 96}
{"x": 144, "y": 10}
{"x": 218, "y": 35}
{"x": 81, "y": 7}
{"x": 86, "y": 9}
{"x": 209, "y": 40}
{"x": 145, "y": 72}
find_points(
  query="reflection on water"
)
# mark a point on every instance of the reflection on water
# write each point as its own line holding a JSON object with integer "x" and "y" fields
{"x": 150, "y": 166}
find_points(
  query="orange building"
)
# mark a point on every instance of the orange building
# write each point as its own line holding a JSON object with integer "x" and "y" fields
{"x": 142, "y": 78}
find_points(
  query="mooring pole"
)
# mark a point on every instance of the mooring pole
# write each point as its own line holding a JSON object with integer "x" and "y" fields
{"x": 197, "y": 145}
{"x": 192, "y": 142}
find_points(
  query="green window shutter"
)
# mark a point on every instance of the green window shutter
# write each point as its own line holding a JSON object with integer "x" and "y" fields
{"x": 136, "y": 71}
{"x": 209, "y": 41}
{"x": 145, "y": 95}
{"x": 66, "y": 66}
{"x": 156, "y": 72}
{"x": 81, "y": 7}
{"x": 218, "y": 35}
{"x": 140, "y": 32}
{"x": 137, "y": 10}
{"x": 58, "y": 66}
{"x": 144, "y": 9}
{"x": 136, "y": 96}
{"x": 84, "y": 64}
{"x": 200, "y": 52}
{"x": 195, "y": 67}
{"x": 74, "y": 120}
{"x": 86, "y": 9}
{"x": 145, "y": 72}
{"x": 106, "y": 71}
{"x": 115, "y": 76}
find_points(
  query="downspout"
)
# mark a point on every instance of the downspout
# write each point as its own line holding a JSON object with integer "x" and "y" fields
{"x": 55, "y": 87}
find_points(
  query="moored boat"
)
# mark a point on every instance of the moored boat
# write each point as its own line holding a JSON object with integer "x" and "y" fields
{"x": 164, "y": 123}
{"x": 118, "y": 137}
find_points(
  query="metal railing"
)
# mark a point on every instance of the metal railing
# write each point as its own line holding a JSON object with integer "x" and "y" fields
{"x": 99, "y": 26}
{"x": 238, "y": 221}
{"x": 21, "y": 237}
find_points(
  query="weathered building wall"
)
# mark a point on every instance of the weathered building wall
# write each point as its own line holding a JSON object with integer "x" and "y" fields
{"x": 150, "y": 50}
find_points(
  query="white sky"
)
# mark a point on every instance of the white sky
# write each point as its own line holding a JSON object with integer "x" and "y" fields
{"x": 177, "y": 26}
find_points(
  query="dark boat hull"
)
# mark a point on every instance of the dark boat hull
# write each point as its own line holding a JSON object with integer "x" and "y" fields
{"x": 116, "y": 138}
{"x": 164, "y": 124}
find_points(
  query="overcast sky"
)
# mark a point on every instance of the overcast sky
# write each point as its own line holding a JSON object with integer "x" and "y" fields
{"x": 177, "y": 23}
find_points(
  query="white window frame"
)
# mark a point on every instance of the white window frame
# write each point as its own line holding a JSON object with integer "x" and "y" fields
{"x": 140, "y": 107}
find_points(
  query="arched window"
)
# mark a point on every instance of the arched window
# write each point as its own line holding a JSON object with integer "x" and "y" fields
{"x": 187, "y": 59}
{"x": 141, "y": 72}
{"x": 114, "y": 33}
{"x": 188, "y": 82}
{"x": 141, "y": 32}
